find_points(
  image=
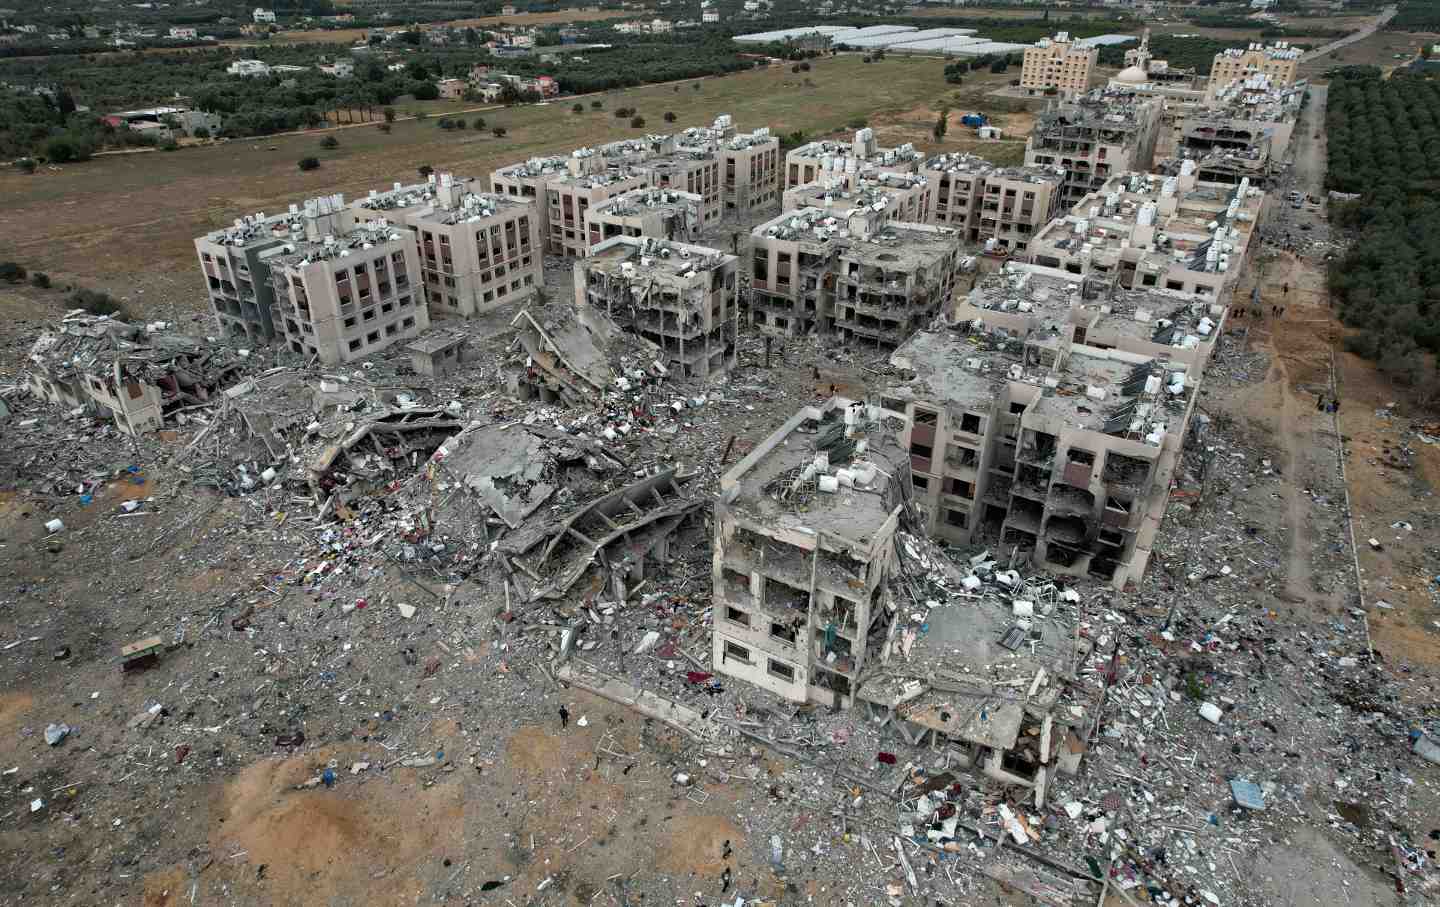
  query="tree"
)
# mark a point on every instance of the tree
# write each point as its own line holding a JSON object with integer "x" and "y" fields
{"x": 308, "y": 163}
{"x": 424, "y": 170}
{"x": 40, "y": 280}
{"x": 65, "y": 103}
{"x": 804, "y": 66}
{"x": 425, "y": 91}
{"x": 63, "y": 151}
{"x": 498, "y": 132}
{"x": 1000, "y": 65}
{"x": 637, "y": 122}
{"x": 577, "y": 108}
{"x": 201, "y": 133}
{"x": 329, "y": 142}
{"x": 11, "y": 272}
{"x": 478, "y": 123}
{"x": 26, "y": 164}
{"x": 389, "y": 113}
{"x": 941, "y": 124}
{"x": 597, "y": 105}
{"x": 795, "y": 69}
{"x": 460, "y": 123}
{"x": 445, "y": 123}
{"x": 670, "y": 116}
{"x": 416, "y": 70}
{"x": 410, "y": 37}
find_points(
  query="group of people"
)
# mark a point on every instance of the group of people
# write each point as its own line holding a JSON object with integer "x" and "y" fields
{"x": 1326, "y": 406}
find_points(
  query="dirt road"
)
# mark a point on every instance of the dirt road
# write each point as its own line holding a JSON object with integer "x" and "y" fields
{"x": 1386, "y": 15}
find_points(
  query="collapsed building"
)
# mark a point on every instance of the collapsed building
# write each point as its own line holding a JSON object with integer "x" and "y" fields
{"x": 1148, "y": 230}
{"x": 682, "y": 298}
{"x": 1049, "y": 416}
{"x": 1002, "y": 207}
{"x": 851, "y": 273}
{"x": 1093, "y": 137}
{"x": 803, "y": 549}
{"x": 1244, "y": 134}
{"x": 138, "y": 376}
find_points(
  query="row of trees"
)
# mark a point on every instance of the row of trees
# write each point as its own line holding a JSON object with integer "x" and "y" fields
{"x": 1417, "y": 15}
{"x": 1384, "y": 144}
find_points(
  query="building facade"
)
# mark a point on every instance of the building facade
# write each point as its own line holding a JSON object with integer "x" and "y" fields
{"x": 657, "y": 213}
{"x": 1058, "y": 65}
{"x": 1094, "y": 137}
{"x": 1279, "y": 62}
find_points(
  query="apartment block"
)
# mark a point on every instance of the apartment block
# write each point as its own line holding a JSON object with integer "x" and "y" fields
{"x": 809, "y": 162}
{"x": 850, "y": 273}
{"x": 571, "y": 196}
{"x": 694, "y": 169}
{"x": 1279, "y": 62}
{"x": 1050, "y": 415}
{"x": 349, "y": 291}
{"x": 658, "y": 213}
{"x": 1244, "y": 133}
{"x": 1058, "y": 65}
{"x": 530, "y": 181}
{"x": 1002, "y": 207}
{"x": 804, "y": 545}
{"x": 750, "y": 172}
{"x": 1094, "y": 137}
{"x": 681, "y": 297}
{"x": 1167, "y": 232}
{"x": 477, "y": 250}
{"x": 896, "y": 196}
{"x": 236, "y": 278}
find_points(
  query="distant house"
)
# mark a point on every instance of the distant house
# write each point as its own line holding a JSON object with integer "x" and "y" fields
{"x": 507, "y": 10}
{"x": 165, "y": 122}
{"x": 187, "y": 34}
{"x": 340, "y": 69}
{"x": 247, "y": 68}
{"x": 452, "y": 89}
{"x": 710, "y": 15}
{"x": 263, "y": 15}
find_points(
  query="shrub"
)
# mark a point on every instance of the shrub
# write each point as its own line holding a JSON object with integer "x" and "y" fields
{"x": 26, "y": 164}
{"x": 804, "y": 67}
{"x": 795, "y": 69}
{"x": 424, "y": 170}
{"x": 329, "y": 142}
{"x": 389, "y": 113}
{"x": 40, "y": 279}
{"x": 577, "y": 108}
{"x": 669, "y": 116}
{"x": 445, "y": 123}
{"x": 477, "y": 123}
{"x": 384, "y": 127}
{"x": 169, "y": 145}
{"x": 858, "y": 123}
{"x": 63, "y": 151}
{"x": 596, "y": 105}
{"x": 97, "y": 303}
{"x": 460, "y": 123}
{"x": 637, "y": 122}
{"x": 10, "y": 272}
{"x": 622, "y": 112}
{"x": 202, "y": 133}
{"x": 498, "y": 132}
{"x": 308, "y": 163}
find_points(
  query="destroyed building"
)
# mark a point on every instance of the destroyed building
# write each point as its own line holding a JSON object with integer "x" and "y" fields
{"x": 901, "y": 197}
{"x": 1245, "y": 133}
{"x": 236, "y": 278}
{"x": 1147, "y": 230}
{"x": 850, "y": 273}
{"x": 1048, "y": 418}
{"x": 1094, "y": 137}
{"x": 576, "y": 354}
{"x": 682, "y": 298}
{"x": 135, "y": 375}
{"x": 1002, "y": 207}
{"x": 803, "y": 547}
{"x": 659, "y": 213}
{"x": 812, "y": 160}
{"x": 1278, "y": 62}
{"x": 346, "y": 289}
{"x": 477, "y": 250}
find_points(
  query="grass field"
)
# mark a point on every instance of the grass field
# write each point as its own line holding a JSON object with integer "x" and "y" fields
{"x": 350, "y": 35}
{"x": 124, "y": 223}
{"x": 1379, "y": 49}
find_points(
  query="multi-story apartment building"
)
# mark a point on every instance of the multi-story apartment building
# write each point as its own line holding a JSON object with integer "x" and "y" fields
{"x": 1058, "y": 65}
{"x": 349, "y": 291}
{"x": 570, "y": 196}
{"x": 681, "y": 297}
{"x": 804, "y": 545}
{"x": 659, "y": 213}
{"x": 750, "y": 172}
{"x": 1279, "y": 62}
{"x": 692, "y": 168}
{"x": 1094, "y": 137}
{"x": 529, "y": 181}
{"x": 897, "y": 196}
{"x": 851, "y": 273}
{"x": 1051, "y": 414}
{"x": 477, "y": 250}
{"x": 811, "y": 161}
{"x": 1167, "y": 232}
{"x": 237, "y": 279}
{"x": 1003, "y": 207}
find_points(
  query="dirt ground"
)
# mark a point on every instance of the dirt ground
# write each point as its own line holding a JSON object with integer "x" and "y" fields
{"x": 916, "y": 124}
{"x": 1385, "y": 49}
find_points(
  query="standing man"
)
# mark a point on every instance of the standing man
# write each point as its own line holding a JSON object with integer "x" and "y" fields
{"x": 564, "y": 718}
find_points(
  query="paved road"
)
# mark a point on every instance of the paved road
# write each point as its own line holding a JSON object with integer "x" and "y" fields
{"x": 1386, "y": 15}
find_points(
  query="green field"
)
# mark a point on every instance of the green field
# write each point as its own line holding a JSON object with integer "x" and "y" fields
{"x": 124, "y": 223}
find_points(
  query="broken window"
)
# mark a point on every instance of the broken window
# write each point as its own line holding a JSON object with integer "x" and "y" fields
{"x": 781, "y": 671}
{"x": 926, "y": 417}
{"x": 957, "y": 518}
{"x": 784, "y": 632}
{"x": 737, "y": 652}
{"x": 970, "y": 423}
{"x": 920, "y": 482}
{"x": 736, "y": 616}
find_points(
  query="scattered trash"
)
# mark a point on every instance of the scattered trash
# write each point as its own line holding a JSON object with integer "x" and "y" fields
{"x": 55, "y": 733}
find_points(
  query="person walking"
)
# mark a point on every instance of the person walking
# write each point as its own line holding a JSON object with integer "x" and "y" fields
{"x": 564, "y": 718}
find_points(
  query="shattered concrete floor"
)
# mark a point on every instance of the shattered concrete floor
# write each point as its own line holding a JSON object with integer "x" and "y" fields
{"x": 191, "y": 782}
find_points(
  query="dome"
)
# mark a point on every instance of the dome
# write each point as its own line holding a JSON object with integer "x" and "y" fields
{"x": 1132, "y": 75}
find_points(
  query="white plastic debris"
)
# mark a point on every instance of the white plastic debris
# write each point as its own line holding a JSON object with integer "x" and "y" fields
{"x": 406, "y": 611}
{"x": 1210, "y": 712}
{"x": 54, "y": 526}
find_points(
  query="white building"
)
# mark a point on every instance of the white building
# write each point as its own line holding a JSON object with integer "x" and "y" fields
{"x": 710, "y": 15}
{"x": 184, "y": 33}
{"x": 248, "y": 68}
{"x": 263, "y": 15}
{"x": 340, "y": 69}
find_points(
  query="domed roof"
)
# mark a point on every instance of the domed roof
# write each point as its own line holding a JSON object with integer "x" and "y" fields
{"x": 1132, "y": 75}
